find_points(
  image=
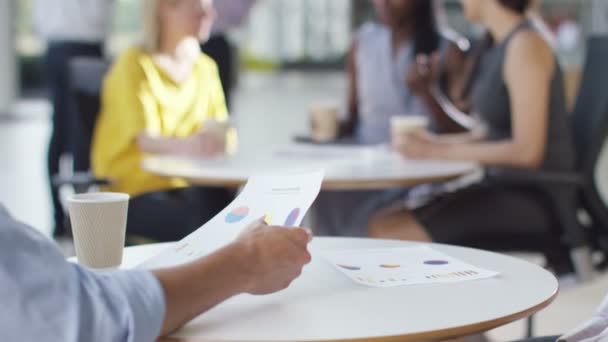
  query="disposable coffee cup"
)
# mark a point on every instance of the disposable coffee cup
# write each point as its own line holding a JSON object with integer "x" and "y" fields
{"x": 99, "y": 222}
{"x": 401, "y": 126}
{"x": 325, "y": 122}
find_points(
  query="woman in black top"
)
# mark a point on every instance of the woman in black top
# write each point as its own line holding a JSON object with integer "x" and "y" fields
{"x": 516, "y": 91}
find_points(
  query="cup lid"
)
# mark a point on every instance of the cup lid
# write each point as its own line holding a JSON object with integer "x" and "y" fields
{"x": 99, "y": 197}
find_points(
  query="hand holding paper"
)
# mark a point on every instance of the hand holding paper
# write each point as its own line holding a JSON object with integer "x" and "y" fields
{"x": 274, "y": 254}
{"x": 281, "y": 200}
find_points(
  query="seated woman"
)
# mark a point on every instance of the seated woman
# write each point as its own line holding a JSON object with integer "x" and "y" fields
{"x": 381, "y": 62}
{"x": 382, "y": 59}
{"x": 163, "y": 97}
{"x": 518, "y": 94}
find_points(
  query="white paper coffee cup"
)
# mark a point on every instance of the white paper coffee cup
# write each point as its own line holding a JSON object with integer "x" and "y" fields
{"x": 402, "y": 125}
{"x": 325, "y": 121}
{"x": 408, "y": 124}
{"x": 99, "y": 222}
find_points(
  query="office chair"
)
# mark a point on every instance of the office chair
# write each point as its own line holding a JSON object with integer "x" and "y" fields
{"x": 86, "y": 77}
{"x": 569, "y": 240}
{"x": 85, "y": 80}
{"x": 566, "y": 195}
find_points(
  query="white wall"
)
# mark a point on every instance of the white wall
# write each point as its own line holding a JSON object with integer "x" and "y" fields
{"x": 8, "y": 65}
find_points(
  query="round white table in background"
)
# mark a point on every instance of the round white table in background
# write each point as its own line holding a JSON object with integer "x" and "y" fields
{"x": 346, "y": 167}
{"x": 324, "y": 305}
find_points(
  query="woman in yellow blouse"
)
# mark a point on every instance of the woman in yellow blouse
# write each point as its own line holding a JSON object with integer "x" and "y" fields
{"x": 163, "y": 97}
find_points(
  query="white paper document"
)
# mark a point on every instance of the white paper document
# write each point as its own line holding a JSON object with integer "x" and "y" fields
{"x": 391, "y": 267}
{"x": 283, "y": 200}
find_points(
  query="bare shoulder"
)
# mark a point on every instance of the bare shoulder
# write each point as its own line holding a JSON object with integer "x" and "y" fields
{"x": 530, "y": 48}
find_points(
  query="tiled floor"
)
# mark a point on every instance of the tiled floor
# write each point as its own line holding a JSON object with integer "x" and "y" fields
{"x": 268, "y": 110}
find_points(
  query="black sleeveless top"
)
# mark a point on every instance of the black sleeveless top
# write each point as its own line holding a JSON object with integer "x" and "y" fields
{"x": 491, "y": 101}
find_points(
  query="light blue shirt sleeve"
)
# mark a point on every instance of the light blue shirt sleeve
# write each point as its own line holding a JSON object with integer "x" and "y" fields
{"x": 595, "y": 329}
{"x": 46, "y": 298}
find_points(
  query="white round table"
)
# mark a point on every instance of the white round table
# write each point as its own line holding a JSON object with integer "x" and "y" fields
{"x": 324, "y": 305}
{"x": 346, "y": 167}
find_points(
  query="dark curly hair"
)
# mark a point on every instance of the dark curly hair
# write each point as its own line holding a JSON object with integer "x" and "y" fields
{"x": 426, "y": 34}
{"x": 519, "y": 6}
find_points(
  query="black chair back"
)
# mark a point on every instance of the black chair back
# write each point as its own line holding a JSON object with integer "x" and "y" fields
{"x": 86, "y": 77}
{"x": 592, "y": 101}
{"x": 590, "y": 122}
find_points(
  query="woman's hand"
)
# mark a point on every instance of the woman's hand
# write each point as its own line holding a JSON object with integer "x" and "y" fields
{"x": 423, "y": 74}
{"x": 148, "y": 143}
{"x": 204, "y": 144}
{"x": 420, "y": 145}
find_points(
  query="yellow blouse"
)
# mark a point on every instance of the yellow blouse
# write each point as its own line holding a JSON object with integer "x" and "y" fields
{"x": 140, "y": 97}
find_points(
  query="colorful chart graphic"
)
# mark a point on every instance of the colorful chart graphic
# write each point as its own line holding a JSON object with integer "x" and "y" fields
{"x": 237, "y": 215}
{"x": 462, "y": 274}
{"x": 350, "y": 268}
{"x": 436, "y": 262}
{"x": 390, "y": 266}
{"x": 292, "y": 217}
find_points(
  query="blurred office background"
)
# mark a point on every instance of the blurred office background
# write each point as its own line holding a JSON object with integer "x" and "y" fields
{"x": 291, "y": 54}
{"x": 289, "y": 34}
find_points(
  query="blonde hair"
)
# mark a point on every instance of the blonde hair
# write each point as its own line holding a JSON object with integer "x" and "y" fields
{"x": 151, "y": 26}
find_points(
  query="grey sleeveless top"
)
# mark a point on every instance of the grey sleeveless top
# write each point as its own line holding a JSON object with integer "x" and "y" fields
{"x": 491, "y": 101}
{"x": 381, "y": 84}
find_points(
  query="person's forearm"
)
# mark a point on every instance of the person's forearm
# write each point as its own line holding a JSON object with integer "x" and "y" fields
{"x": 443, "y": 122}
{"x": 505, "y": 153}
{"x": 162, "y": 145}
{"x": 198, "y": 286}
{"x": 459, "y": 138}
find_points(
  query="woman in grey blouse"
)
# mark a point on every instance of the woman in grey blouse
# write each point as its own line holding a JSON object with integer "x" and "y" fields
{"x": 379, "y": 68}
{"x": 517, "y": 91}
{"x": 380, "y": 63}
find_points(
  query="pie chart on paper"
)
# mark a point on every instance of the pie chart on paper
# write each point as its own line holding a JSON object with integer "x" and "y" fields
{"x": 237, "y": 215}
